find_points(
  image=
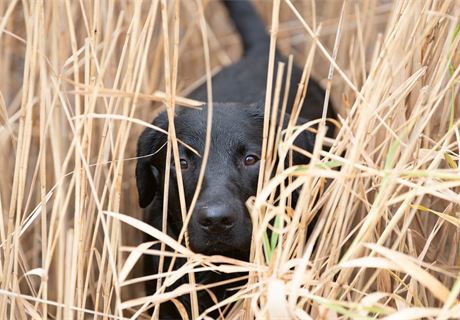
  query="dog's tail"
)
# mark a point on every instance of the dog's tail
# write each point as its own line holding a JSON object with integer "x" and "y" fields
{"x": 248, "y": 23}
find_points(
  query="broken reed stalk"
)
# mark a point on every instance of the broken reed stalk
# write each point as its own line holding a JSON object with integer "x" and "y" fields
{"x": 78, "y": 77}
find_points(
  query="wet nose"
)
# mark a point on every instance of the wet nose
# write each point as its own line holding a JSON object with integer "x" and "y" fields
{"x": 216, "y": 218}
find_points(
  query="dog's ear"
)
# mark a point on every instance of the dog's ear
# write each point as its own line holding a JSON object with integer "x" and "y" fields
{"x": 149, "y": 158}
{"x": 145, "y": 179}
{"x": 256, "y": 111}
{"x": 304, "y": 141}
{"x": 146, "y": 184}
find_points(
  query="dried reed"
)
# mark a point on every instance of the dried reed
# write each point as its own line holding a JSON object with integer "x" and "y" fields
{"x": 81, "y": 79}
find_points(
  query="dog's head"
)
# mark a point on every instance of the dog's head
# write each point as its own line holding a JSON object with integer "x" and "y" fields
{"x": 220, "y": 223}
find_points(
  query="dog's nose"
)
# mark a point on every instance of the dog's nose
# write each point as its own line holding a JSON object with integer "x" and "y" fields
{"x": 216, "y": 218}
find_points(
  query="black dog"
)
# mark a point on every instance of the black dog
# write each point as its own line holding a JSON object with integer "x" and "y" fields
{"x": 220, "y": 223}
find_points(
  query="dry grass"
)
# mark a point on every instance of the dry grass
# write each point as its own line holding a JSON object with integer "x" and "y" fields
{"x": 81, "y": 79}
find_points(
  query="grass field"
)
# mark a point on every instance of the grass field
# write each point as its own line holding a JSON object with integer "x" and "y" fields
{"x": 81, "y": 79}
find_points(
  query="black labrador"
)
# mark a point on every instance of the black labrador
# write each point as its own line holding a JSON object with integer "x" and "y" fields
{"x": 220, "y": 223}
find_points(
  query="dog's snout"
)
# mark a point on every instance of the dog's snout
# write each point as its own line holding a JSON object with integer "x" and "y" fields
{"x": 216, "y": 218}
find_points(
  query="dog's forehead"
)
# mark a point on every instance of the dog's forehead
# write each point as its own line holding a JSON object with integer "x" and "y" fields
{"x": 229, "y": 121}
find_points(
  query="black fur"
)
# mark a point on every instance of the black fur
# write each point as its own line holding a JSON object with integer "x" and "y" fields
{"x": 220, "y": 223}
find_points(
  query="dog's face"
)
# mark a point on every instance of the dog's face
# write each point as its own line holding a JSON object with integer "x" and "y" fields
{"x": 220, "y": 222}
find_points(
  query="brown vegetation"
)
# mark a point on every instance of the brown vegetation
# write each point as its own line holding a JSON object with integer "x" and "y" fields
{"x": 81, "y": 79}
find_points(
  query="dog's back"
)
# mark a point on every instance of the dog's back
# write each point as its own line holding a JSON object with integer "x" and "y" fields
{"x": 245, "y": 80}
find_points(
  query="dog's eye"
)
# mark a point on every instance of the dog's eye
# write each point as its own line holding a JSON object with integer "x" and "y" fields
{"x": 250, "y": 160}
{"x": 183, "y": 164}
